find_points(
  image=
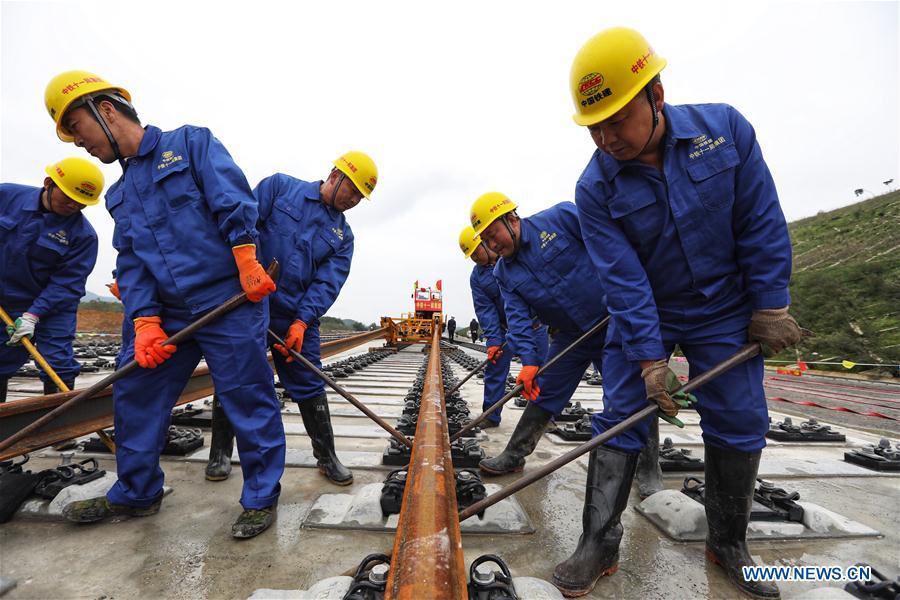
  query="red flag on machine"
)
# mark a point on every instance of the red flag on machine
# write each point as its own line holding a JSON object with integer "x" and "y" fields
{"x": 439, "y": 285}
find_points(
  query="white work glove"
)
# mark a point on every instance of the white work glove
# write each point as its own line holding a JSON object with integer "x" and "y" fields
{"x": 24, "y": 328}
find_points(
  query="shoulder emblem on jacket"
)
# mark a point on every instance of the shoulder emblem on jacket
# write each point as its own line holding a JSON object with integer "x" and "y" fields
{"x": 168, "y": 159}
{"x": 60, "y": 237}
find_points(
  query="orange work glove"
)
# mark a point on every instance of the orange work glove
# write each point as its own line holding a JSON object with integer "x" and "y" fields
{"x": 114, "y": 289}
{"x": 494, "y": 352}
{"x": 254, "y": 279}
{"x": 149, "y": 336}
{"x": 527, "y": 377}
{"x": 293, "y": 340}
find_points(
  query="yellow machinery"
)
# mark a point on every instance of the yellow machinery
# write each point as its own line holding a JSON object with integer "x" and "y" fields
{"x": 417, "y": 326}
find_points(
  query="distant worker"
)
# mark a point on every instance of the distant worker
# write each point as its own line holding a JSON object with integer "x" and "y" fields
{"x": 489, "y": 307}
{"x": 47, "y": 250}
{"x": 473, "y": 330}
{"x": 451, "y": 328}
{"x": 543, "y": 271}
{"x": 303, "y": 227}
{"x": 185, "y": 230}
{"x": 683, "y": 224}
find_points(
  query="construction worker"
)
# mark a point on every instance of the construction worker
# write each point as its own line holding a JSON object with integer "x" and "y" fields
{"x": 185, "y": 230}
{"x": 47, "y": 250}
{"x": 451, "y": 328}
{"x": 489, "y": 307}
{"x": 303, "y": 227}
{"x": 682, "y": 222}
{"x": 543, "y": 271}
{"x": 473, "y": 329}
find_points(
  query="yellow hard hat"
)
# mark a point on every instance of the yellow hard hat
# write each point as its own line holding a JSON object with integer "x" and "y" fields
{"x": 79, "y": 179}
{"x": 469, "y": 241}
{"x": 610, "y": 70}
{"x": 66, "y": 88}
{"x": 361, "y": 170}
{"x": 488, "y": 208}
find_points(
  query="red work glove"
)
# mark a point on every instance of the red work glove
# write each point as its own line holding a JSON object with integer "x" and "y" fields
{"x": 293, "y": 340}
{"x": 149, "y": 336}
{"x": 527, "y": 377}
{"x": 114, "y": 289}
{"x": 494, "y": 352}
{"x": 254, "y": 279}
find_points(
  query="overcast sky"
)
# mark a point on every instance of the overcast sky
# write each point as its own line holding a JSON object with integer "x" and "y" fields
{"x": 452, "y": 101}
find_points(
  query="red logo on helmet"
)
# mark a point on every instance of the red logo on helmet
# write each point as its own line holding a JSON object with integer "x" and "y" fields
{"x": 590, "y": 84}
{"x": 89, "y": 187}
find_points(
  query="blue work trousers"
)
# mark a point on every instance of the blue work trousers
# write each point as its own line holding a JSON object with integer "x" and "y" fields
{"x": 732, "y": 407}
{"x": 559, "y": 382}
{"x": 299, "y": 382}
{"x": 495, "y": 375}
{"x": 53, "y": 337}
{"x": 234, "y": 347}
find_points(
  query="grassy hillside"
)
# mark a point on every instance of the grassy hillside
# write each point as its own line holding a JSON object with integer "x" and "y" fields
{"x": 846, "y": 281}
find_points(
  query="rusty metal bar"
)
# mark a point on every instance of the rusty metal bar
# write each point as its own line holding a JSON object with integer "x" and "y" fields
{"x": 742, "y": 355}
{"x": 519, "y": 387}
{"x": 97, "y": 412}
{"x": 427, "y": 561}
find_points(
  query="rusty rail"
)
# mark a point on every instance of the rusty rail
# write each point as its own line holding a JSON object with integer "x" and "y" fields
{"x": 97, "y": 412}
{"x": 427, "y": 560}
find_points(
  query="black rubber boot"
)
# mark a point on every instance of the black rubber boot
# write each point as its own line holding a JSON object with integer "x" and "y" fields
{"x": 608, "y": 483}
{"x": 523, "y": 441}
{"x": 730, "y": 481}
{"x": 218, "y": 468}
{"x": 317, "y": 421}
{"x": 3, "y": 386}
{"x": 50, "y": 387}
{"x": 649, "y": 473}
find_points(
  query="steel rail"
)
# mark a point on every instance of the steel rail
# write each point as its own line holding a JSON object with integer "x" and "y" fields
{"x": 97, "y": 412}
{"x": 427, "y": 560}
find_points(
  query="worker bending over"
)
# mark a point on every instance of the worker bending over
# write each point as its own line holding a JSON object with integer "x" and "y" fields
{"x": 682, "y": 222}
{"x": 185, "y": 230}
{"x": 47, "y": 251}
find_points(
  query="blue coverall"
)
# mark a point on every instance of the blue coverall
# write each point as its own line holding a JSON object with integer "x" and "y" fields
{"x": 685, "y": 255}
{"x": 180, "y": 206}
{"x": 314, "y": 244}
{"x": 45, "y": 260}
{"x": 551, "y": 276}
{"x": 492, "y": 317}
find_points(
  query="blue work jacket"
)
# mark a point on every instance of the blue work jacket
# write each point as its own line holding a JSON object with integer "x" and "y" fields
{"x": 180, "y": 207}
{"x": 701, "y": 239}
{"x": 312, "y": 242}
{"x": 551, "y": 276}
{"x": 45, "y": 258}
{"x": 488, "y": 304}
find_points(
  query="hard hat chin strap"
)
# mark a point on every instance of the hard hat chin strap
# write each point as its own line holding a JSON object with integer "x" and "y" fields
{"x": 112, "y": 140}
{"x": 337, "y": 187}
{"x": 651, "y": 98}
{"x": 512, "y": 236}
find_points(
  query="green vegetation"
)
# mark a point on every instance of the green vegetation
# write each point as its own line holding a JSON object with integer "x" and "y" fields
{"x": 335, "y": 324}
{"x": 101, "y": 306}
{"x": 846, "y": 282}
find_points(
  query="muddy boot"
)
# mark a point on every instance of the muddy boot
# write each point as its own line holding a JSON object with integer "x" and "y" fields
{"x": 609, "y": 481}
{"x": 649, "y": 473}
{"x": 218, "y": 468}
{"x": 97, "y": 509}
{"x": 317, "y": 421}
{"x": 253, "y": 522}
{"x": 730, "y": 481}
{"x": 50, "y": 387}
{"x": 522, "y": 442}
{"x": 4, "y": 382}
